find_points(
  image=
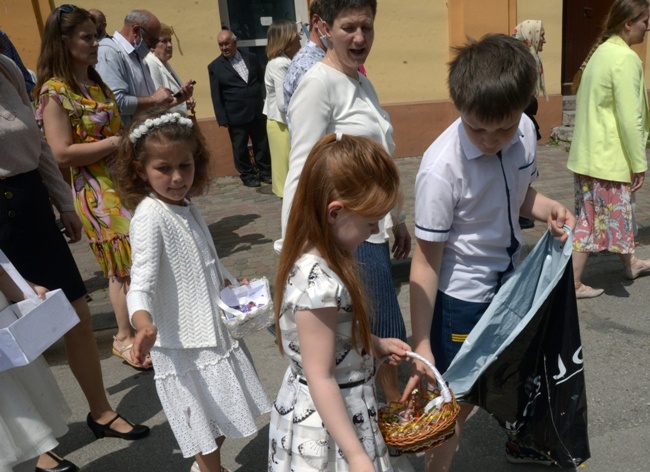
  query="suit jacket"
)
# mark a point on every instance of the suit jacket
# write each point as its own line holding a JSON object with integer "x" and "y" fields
{"x": 612, "y": 121}
{"x": 236, "y": 102}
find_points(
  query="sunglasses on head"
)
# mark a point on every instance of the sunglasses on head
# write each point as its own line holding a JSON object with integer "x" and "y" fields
{"x": 64, "y": 9}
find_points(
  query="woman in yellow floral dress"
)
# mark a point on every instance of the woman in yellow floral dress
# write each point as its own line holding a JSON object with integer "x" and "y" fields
{"x": 81, "y": 121}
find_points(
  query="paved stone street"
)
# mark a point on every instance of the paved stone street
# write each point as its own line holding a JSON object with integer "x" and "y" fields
{"x": 244, "y": 222}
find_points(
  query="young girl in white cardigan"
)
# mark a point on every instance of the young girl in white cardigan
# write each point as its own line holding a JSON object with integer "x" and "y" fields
{"x": 206, "y": 384}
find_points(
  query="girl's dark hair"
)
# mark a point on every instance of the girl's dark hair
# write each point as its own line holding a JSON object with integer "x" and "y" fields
{"x": 130, "y": 187}
{"x": 54, "y": 59}
{"x": 331, "y": 9}
{"x": 358, "y": 172}
{"x": 620, "y": 13}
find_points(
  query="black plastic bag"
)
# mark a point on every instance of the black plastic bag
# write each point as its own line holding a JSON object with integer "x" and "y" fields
{"x": 523, "y": 362}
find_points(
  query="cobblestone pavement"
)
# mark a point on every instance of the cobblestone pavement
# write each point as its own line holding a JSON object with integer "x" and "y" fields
{"x": 244, "y": 223}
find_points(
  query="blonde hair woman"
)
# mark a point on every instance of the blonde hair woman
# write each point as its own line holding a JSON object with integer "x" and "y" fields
{"x": 283, "y": 44}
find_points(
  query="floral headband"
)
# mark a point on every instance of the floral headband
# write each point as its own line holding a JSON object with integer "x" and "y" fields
{"x": 154, "y": 123}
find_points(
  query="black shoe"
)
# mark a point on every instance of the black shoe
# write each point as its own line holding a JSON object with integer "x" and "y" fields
{"x": 62, "y": 465}
{"x": 525, "y": 223}
{"x": 104, "y": 430}
{"x": 252, "y": 183}
{"x": 266, "y": 179}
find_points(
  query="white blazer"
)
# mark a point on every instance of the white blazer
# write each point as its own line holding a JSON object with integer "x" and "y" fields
{"x": 164, "y": 76}
{"x": 274, "y": 106}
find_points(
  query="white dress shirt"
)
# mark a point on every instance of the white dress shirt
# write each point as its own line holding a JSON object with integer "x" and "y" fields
{"x": 471, "y": 201}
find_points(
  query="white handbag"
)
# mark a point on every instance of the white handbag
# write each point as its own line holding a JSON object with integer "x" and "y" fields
{"x": 29, "y": 327}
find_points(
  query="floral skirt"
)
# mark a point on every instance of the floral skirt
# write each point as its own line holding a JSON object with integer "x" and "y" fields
{"x": 105, "y": 221}
{"x": 604, "y": 216}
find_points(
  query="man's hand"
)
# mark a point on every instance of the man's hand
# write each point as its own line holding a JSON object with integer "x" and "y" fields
{"x": 402, "y": 245}
{"x": 163, "y": 96}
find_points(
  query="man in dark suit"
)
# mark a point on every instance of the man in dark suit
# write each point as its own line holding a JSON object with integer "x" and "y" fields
{"x": 237, "y": 89}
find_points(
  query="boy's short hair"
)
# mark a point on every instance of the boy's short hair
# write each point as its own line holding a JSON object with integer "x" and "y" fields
{"x": 492, "y": 78}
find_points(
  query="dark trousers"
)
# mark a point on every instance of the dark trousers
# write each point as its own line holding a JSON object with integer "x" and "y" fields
{"x": 239, "y": 135}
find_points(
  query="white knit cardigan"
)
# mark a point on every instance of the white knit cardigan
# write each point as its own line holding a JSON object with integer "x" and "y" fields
{"x": 169, "y": 278}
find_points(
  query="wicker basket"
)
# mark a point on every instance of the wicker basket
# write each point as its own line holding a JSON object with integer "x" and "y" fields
{"x": 424, "y": 430}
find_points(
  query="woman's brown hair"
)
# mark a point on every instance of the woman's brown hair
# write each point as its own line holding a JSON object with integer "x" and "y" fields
{"x": 620, "y": 13}
{"x": 281, "y": 33}
{"x": 54, "y": 59}
{"x": 358, "y": 172}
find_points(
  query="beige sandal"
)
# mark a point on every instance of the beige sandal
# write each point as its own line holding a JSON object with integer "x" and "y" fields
{"x": 585, "y": 291}
{"x": 124, "y": 353}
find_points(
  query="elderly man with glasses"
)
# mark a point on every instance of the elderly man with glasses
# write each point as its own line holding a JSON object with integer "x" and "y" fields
{"x": 122, "y": 67}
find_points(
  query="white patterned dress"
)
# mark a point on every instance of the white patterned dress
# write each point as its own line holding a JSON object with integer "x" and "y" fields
{"x": 298, "y": 440}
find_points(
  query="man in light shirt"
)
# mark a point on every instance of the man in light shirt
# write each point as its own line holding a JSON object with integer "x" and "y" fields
{"x": 122, "y": 67}
{"x": 311, "y": 53}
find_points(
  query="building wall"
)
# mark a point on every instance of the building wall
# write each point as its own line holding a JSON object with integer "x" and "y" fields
{"x": 409, "y": 55}
{"x": 22, "y": 20}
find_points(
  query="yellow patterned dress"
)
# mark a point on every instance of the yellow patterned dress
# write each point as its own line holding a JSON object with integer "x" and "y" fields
{"x": 94, "y": 116}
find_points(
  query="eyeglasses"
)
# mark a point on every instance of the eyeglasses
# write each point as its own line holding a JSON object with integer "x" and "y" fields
{"x": 151, "y": 44}
{"x": 165, "y": 40}
{"x": 64, "y": 9}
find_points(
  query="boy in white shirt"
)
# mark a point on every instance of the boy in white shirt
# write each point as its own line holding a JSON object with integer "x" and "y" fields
{"x": 473, "y": 184}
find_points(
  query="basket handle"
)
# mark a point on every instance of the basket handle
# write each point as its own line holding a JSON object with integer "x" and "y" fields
{"x": 444, "y": 390}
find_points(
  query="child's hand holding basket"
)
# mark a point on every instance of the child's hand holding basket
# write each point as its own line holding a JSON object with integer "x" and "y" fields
{"x": 425, "y": 420}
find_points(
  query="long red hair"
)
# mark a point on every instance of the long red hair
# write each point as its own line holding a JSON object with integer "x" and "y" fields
{"x": 358, "y": 172}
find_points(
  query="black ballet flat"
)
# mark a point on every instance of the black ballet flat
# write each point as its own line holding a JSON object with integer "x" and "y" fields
{"x": 139, "y": 431}
{"x": 62, "y": 465}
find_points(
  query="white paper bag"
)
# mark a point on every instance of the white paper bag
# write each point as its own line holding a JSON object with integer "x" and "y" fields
{"x": 29, "y": 327}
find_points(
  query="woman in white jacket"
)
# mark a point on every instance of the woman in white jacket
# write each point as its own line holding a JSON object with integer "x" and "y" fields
{"x": 162, "y": 73}
{"x": 283, "y": 43}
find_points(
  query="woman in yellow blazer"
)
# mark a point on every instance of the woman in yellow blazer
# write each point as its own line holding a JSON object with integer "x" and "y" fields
{"x": 608, "y": 150}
